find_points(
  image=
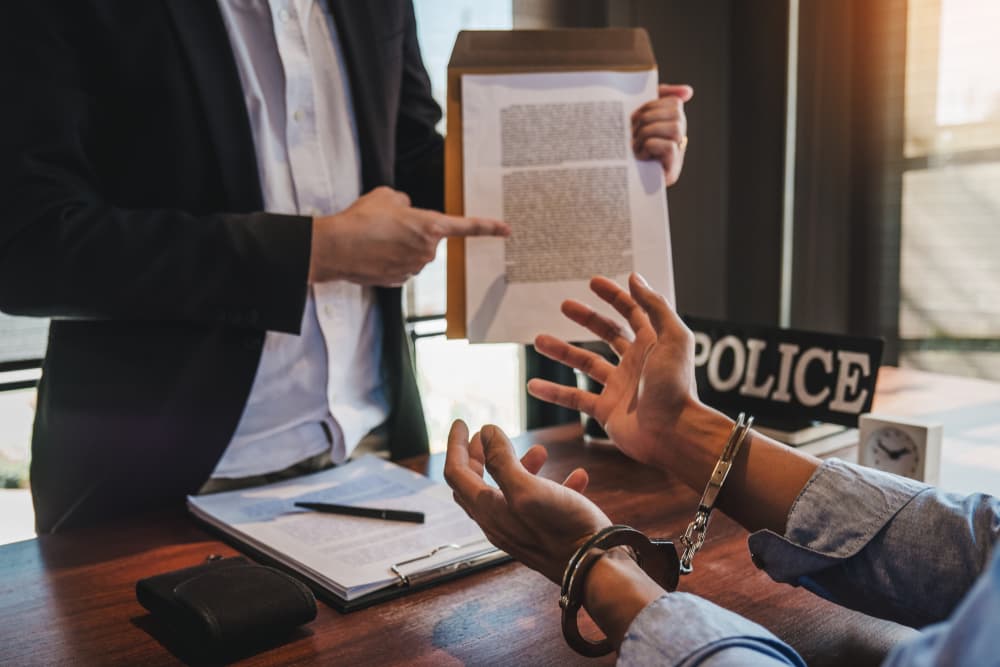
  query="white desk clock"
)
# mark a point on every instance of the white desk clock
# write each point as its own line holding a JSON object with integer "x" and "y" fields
{"x": 900, "y": 445}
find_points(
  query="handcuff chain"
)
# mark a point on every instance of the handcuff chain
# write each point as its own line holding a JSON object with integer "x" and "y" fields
{"x": 693, "y": 539}
{"x": 694, "y": 536}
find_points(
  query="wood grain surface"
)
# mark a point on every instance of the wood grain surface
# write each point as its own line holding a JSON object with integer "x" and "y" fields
{"x": 69, "y": 599}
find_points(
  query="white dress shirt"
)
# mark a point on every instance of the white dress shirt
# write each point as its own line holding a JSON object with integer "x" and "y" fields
{"x": 322, "y": 389}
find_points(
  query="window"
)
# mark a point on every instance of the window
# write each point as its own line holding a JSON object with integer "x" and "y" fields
{"x": 949, "y": 315}
{"x": 22, "y": 346}
{"x": 478, "y": 383}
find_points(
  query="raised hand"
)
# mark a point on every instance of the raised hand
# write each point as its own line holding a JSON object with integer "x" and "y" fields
{"x": 659, "y": 130}
{"x": 535, "y": 520}
{"x": 382, "y": 240}
{"x": 645, "y": 395}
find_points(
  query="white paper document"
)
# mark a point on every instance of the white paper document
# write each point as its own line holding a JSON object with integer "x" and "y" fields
{"x": 350, "y": 556}
{"x": 551, "y": 154}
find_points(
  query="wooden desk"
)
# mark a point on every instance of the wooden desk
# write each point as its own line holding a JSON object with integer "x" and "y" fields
{"x": 970, "y": 412}
{"x": 69, "y": 599}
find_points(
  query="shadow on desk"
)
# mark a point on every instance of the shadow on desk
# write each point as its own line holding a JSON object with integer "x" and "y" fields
{"x": 198, "y": 656}
{"x": 119, "y": 538}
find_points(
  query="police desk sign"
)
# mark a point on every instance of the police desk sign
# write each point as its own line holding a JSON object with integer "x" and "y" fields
{"x": 785, "y": 374}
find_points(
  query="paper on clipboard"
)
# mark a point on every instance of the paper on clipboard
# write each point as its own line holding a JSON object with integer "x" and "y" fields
{"x": 551, "y": 154}
{"x": 349, "y": 556}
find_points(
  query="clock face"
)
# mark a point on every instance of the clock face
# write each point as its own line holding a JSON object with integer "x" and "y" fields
{"x": 893, "y": 450}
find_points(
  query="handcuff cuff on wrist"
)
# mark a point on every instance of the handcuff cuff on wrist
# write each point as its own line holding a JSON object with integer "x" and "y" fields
{"x": 657, "y": 557}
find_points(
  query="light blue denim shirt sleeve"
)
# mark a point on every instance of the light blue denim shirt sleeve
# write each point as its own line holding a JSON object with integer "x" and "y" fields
{"x": 860, "y": 538}
{"x": 684, "y": 629}
{"x": 885, "y": 545}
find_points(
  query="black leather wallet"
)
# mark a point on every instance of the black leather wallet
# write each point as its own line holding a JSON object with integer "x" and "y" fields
{"x": 228, "y": 602}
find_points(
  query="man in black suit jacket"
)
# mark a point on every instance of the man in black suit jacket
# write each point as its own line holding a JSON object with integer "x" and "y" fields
{"x": 132, "y": 216}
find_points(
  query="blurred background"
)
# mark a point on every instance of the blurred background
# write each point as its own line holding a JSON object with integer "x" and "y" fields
{"x": 843, "y": 175}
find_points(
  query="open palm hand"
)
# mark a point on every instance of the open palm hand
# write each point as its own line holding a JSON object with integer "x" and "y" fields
{"x": 537, "y": 521}
{"x": 653, "y": 382}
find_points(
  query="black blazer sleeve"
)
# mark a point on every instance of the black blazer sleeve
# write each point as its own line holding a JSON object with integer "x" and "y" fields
{"x": 70, "y": 249}
{"x": 419, "y": 169}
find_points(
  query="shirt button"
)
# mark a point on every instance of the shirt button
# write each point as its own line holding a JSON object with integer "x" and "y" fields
{"x": 328, "y": 311}
{"x": 283, "y": 16}
{"x": 298, "y": 115}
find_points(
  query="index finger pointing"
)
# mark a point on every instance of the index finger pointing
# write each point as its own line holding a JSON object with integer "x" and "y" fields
{"x": 453, "y": 225}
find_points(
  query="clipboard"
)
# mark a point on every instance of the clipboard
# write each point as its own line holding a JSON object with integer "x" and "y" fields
{"x": 351, "y": 562}
{"x": 512, "y": 52}
{"x": 413, "y": 584}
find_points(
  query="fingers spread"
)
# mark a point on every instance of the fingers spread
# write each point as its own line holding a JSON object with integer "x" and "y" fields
{"x": 620, "y": 300}
{"x": 534, "y": 459}
{"x": 594, "y": 365}
{"x": 661, "y": 314}
{"x": 568, "y": 397}
{"x": 604, "y": 328}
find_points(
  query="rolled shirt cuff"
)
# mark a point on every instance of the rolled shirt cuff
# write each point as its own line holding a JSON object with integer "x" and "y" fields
{"x": 684, "y": 629}
{"x": 838, "y": 512}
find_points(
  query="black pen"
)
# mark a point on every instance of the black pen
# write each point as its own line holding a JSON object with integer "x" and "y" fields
{"x": 367, "y": 512}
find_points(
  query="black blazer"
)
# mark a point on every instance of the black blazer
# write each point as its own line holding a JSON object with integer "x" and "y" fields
{"x": 131, "y": 216}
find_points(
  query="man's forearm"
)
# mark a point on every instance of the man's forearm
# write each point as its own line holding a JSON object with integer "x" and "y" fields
{"x": 764, "y": 481}
{"x": 109, "y": 263}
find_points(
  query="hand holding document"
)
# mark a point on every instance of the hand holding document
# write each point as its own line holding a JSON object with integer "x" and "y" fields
{"x": 551, "y": 155}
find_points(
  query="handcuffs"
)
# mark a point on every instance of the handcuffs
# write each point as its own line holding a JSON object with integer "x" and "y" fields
{"x": 657, "y": 557}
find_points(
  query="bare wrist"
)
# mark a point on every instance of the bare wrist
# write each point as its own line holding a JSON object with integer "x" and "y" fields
{"x": 695, "y": 443}
{"x": 324, "y": 266}
{"x": 766, "y": 476}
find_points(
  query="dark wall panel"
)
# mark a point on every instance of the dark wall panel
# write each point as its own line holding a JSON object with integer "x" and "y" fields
{"x": 756, "y": 160}
{"x": 725, "y": 213}
{"x": 692, "y": 45}
{"x": 822, "y": 246}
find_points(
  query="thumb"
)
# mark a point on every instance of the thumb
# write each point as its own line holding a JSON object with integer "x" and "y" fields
{"x": 501, "y": 461}
{"x": 682, "y": 91}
